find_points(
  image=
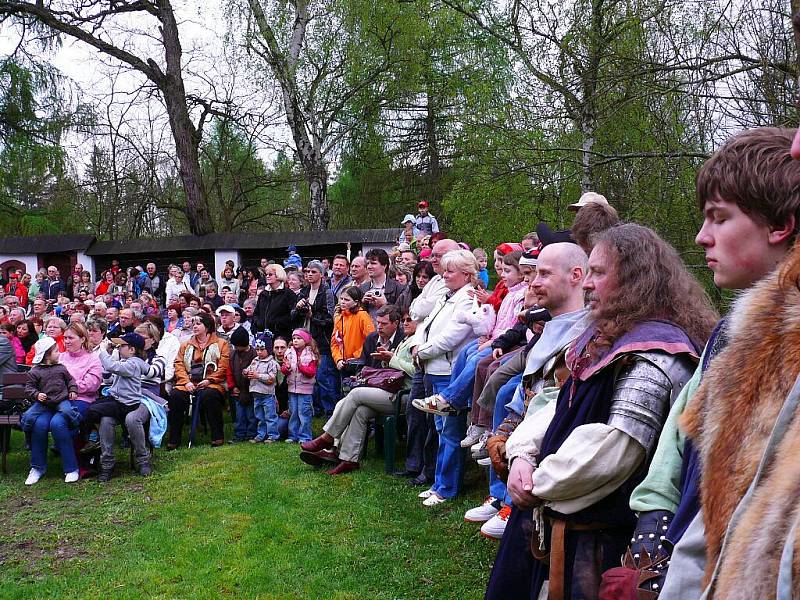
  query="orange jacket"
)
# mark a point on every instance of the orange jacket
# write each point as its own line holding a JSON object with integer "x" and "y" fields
{"x": 349, "y": 332}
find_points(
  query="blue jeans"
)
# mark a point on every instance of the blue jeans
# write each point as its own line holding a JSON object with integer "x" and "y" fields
{"x": 328, "y": 386}
{"x": 458, "y": 392}
{"x": 56, "y": 423}
{"x": 246, "y": 425}
{"x": 65, "y": 407}
{"x": 267, "y": 416}
{"x": 302, "y": 411}
{"x": 450, "y": 456}
{"x": 496, "y": 486}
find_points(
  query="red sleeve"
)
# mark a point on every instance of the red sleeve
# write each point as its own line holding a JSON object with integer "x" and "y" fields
{"x": 309, "y": 370}
{"x": 229, "y": 378}
{"x": 285, "y": 369}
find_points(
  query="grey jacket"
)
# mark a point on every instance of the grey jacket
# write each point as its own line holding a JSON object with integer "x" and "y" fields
{"x": 126, "y": 380}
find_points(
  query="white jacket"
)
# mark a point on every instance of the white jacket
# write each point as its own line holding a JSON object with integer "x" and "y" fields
{"x": 440, "y": 337}
{"x": 423, "y": 304}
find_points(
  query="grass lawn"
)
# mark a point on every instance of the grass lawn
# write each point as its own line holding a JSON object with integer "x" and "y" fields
{"x": 241, "y": 521}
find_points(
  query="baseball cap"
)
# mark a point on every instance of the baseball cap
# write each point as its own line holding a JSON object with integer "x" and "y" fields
{"x": 41, "y": 348}
{"x": 408, "y": 218}
{"x": 588, "y": 198}
{"x": 132, "y": 339}
{"x": 423, "y": 204}
{"x": 292, "y": 248}
{"x": 226, "y": 308}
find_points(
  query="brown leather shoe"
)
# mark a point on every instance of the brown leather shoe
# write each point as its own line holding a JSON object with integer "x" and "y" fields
{"x": 317, "y": 459}
{"x": 344, "y": 466}
{"x": 322, "y": 442}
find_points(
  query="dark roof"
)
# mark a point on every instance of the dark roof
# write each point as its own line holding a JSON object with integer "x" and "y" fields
{"x": 244, "y": 241}
{"x": 39, "y": 244}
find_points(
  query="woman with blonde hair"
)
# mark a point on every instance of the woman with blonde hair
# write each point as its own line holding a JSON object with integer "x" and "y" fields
{"x": 273, "y": 310}
{"x": 439, "y": 340}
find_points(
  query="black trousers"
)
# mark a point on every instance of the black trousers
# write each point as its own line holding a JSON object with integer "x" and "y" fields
{"x": 211, "y": 401}
{"x": 109, "y": 407}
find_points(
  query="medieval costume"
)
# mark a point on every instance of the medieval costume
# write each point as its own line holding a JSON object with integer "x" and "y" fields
{"x": 741, "y": 421}
{"x": 595, "y": 450}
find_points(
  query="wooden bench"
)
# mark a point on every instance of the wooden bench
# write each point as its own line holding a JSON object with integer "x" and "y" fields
{"x": 13, "y": 389}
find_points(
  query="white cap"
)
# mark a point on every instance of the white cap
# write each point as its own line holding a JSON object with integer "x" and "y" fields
{"x": 588, "y": 198}
{"x": 407, "y": 218}
{"x": 226, "y": 308}
{"x": 42, "y": 347}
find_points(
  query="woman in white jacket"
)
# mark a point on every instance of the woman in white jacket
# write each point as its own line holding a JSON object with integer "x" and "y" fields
{"x": 436, "y": 344}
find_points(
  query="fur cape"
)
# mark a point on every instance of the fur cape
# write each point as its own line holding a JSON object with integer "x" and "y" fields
{"x": 730, "y": 420}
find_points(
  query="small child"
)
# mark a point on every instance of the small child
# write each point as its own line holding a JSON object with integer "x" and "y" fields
{"x": 124, "y": 397}
{"x": 300, "y": 367}
{"x": 50, "y": 386}
{"x": 483, "y": 261}
{"x": 263, "y": 374}
{"x": 241, "y": 355}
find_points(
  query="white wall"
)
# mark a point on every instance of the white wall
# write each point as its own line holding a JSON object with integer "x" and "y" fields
{"x": 88, "y": 264}
{"x": 220, "y": 256}
{"x": 30, "y": 261}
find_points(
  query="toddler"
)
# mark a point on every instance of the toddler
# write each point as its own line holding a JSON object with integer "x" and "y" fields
{"x": 300, "y": 367}
{"x": 49, "y": 386}
{"x": 263, "y": 373}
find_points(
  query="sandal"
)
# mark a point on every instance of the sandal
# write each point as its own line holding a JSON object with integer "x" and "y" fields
{"x": 433, "y": 500}
{"x": 435, "y": 404}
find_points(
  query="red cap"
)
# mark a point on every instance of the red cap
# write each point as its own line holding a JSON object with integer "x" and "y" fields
{"x": 508, "y": 247}
{"x": 423, "y": 204}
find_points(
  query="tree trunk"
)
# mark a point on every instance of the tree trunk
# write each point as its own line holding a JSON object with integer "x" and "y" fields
{"x": 183, "y": 130}
{"x": 434, "y": 163}
{"x": 319, "y": 215}
{"x": 795, "y": 7}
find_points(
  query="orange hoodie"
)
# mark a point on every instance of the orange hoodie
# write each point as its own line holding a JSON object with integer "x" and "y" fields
{"x": 349, "y": 332}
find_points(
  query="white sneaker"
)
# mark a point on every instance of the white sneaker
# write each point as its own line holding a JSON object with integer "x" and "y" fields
{"x": 34, "y": 476}
{"x": 72, "y": 477}
{"x": 485, "y": 462}
{"x": 494, "y": 527}
{"x": 474, "y": 433}
{"x": 484, "y": 512}
{"x": 426, "y": 494}
{"x": 481, "y": 442}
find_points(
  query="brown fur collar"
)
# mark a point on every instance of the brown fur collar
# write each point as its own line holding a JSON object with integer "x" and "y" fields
{"x": 730, "y": 419}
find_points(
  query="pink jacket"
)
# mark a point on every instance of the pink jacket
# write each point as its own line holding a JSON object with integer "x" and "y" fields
{"x": 87, "y": 372}
{"x": 511, "y": 305}
{"x": 300, "y": 377}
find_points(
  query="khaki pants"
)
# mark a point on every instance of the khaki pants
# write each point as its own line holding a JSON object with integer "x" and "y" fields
{"x": 351, "y": 418}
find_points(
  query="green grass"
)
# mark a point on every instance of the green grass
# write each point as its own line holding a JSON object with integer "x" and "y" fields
{"x": 244, "y": 521}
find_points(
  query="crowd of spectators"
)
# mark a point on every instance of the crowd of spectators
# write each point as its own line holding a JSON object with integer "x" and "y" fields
{"x": 556, "y": 372}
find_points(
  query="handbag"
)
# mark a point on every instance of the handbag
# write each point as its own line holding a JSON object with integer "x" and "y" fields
{"x": 196, "y": 372}
{"x": 388, "y": 380}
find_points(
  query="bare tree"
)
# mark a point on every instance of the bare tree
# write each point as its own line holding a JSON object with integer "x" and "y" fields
{"x": 94, "y": 22}
{"x": 317, "y": 79}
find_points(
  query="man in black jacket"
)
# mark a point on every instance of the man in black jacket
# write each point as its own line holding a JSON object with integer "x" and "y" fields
{"x": 314, "y": 312}
{"x": 379, "y": 345}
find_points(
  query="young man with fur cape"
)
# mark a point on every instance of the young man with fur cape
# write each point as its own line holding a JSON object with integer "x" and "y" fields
{"x": 749, "y": 192}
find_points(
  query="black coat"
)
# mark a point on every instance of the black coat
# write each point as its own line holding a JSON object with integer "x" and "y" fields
{"x": 274, "y": 312}
{"x": 321, "y": 318}
{"x": 371, "y": 343}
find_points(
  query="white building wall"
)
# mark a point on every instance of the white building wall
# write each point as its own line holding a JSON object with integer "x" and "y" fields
{"x": 220, "y": 256}
{"x": 30, "y": 261}
{"x": 88, "y": 264}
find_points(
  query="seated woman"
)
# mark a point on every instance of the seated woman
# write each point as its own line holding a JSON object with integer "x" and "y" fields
{"x": 201, "y": 369}
{"x": 86, "y": 370}
{"x": 352, "y": 414}
{"x": 54, "y": 327}
{"x": 351, "y": 326}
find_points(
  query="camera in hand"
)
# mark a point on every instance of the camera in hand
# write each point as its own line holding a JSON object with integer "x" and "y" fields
{"x": 535, "y": 314}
